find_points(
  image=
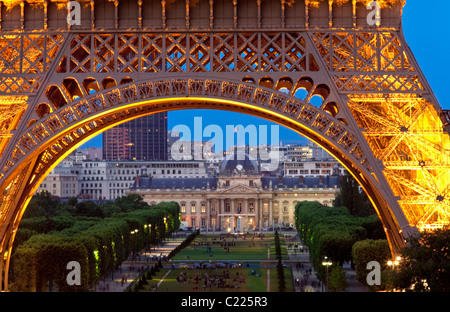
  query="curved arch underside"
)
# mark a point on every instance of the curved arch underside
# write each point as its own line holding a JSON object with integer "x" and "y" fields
{"x": 61, "y": 131}
{"x": 376, "y": 112}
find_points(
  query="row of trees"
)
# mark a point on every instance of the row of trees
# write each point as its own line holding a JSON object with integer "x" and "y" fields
{"x": 184, "y": 244}
{"x": 44, "y": 245}
{"x": 352, "y": 231}
{"x": 280, "y": 269}
{"x": 147, "y": 274}
{"x": 332, "y": 232}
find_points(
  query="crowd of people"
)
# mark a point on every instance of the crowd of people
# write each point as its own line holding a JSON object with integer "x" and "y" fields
{"x": 225, "y": 280}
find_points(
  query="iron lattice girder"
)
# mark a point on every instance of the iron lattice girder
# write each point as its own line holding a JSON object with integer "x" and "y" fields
{"x": 415, "y": 165}
{"x": 378, "y": 116}
{"x": 93, "y": 104}
{"x": 410, "y": 184}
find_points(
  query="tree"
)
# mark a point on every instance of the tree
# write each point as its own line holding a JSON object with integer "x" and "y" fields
{"x": 131, "y": 202}
{"x": 40, "y": 205}
{"x": 425, "y": 264}
{"x": 99, "y": 244}
{"x": 109, "y": 209}
{"x": 352, "y": 198}
{"x": 337, "y": 279}
{"x": 366, "y": 251}
{"x": 89, "y": 208}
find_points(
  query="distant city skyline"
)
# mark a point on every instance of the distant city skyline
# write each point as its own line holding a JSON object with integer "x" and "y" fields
{"x": 426, "y": 34}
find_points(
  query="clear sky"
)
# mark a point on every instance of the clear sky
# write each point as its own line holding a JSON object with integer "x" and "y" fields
{"x": 426, "y": 29}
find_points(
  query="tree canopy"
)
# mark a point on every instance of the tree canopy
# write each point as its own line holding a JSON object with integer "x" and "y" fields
{"x": 425, "y": 264}
{"x": 332, "y": 232}
{"x": 99, "y": 241}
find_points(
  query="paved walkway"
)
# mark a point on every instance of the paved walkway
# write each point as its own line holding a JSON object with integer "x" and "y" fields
{"x": 304, "y": 275}
{"x": 129, "y": 270}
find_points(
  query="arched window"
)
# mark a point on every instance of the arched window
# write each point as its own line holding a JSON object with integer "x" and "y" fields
{"x": 55, "y": 97}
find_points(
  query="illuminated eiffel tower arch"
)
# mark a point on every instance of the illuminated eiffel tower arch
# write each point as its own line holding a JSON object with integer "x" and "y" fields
{"x": 60, "y": 85}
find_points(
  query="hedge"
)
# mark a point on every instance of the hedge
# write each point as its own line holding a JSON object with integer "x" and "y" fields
{"x": 99, "y": 245}
{"x": 332, "y": 232}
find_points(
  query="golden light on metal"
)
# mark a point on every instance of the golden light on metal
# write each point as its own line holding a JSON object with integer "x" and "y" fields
{"x": 378, "y": 115}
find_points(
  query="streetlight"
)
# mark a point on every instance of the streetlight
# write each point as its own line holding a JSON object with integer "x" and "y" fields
{"x": 394, "y": 263}
{"x": 132, "y": 243}
{"x": 165, "y": 228}
{"x": 327, "y": 264}
{"x": 149, "y": 226}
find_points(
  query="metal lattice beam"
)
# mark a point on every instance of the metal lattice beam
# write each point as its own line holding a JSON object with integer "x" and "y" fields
{"x": 379, "y": 116}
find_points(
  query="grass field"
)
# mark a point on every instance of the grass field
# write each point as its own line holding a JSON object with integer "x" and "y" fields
{"x": 220, "y": 249}
{"x": 251, "y": 277}
{"x": 246, "y": 281}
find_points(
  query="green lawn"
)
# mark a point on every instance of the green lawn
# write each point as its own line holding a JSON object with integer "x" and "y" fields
{"x": 287, "y": 278}
{"x": 216, "y": 248}
{"x": 248, "y": 249}
{"x": 246, "y": 281}
{"x": 250, "y": 282}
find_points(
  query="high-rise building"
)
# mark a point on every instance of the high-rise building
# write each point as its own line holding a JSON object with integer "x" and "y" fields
{"x": 144, "y": 138}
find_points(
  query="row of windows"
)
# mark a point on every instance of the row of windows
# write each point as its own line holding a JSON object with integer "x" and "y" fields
{"x": 239, "y": 207}
{"x": 163, "y": 171}
{"x": 152, "y": 165}
{"x": 306, "y": 171}
{"x": 62, "y": 178}
{"x": 88, "y": 178}
{"x": 64, "y": 185}
{"x": 100, "y": 185}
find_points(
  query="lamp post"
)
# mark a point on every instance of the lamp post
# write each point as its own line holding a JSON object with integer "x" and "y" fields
{"x": 149, "y": 226}
{"x": 165, "y": 228}
{"x": 394, "y": 264}
{"x": 327, "y": 264}
{"x": 132, "y": 244}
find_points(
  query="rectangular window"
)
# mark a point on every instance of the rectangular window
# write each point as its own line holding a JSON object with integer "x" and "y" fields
{"x": 192, "y": 208}
{"x": 203, "y": 208}
{"x": 183, "y": 207}
{"x": 275, "y": 207}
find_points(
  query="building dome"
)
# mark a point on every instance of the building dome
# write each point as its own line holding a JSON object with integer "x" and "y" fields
{"x": 239, "y": 163}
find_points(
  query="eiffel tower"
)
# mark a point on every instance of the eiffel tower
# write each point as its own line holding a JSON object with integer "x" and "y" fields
{"x": 69, "y": 71}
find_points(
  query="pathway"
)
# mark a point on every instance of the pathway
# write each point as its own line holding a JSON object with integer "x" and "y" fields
{"x": 268, "y": 270}
{"x": 303, "y": 273}
{"x": 129, "y": 270}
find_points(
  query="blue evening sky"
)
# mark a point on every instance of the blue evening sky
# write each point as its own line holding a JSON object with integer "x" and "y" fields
{"x": 425, "y": 28}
